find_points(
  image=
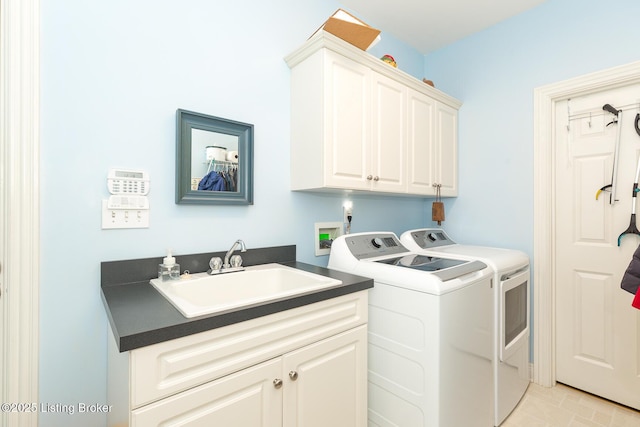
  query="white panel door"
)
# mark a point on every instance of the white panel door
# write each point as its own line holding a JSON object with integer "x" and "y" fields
{"x": 389, "y": 129}
{"x": 347, "y": 151}
{"x": 245, "y": 398}
{"x": 446, "y": 149}
{"x": 421, "y": 148}
{"x": 325, "y": 384}
{"x": 597, "y": 330}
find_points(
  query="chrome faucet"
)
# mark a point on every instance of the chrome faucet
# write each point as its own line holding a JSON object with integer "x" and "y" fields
{"x": 243, "y": 248}
{"x": 231, "y": 263}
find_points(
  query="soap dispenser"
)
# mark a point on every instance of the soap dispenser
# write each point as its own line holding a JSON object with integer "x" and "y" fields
{"x": 168, "y": 270}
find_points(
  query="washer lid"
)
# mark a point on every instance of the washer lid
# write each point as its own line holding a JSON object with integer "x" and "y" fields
{"x": 443, "y": 268}
{"x": 422, "y": 262}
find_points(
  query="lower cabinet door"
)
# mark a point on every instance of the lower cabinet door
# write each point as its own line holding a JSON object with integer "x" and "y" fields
{"x": 246, "y": 398}
{"x": 325, "y": 384}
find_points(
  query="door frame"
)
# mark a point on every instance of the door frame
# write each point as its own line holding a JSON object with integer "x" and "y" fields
{"x": 20, "y": 204}
{"x": 544, "y": 286}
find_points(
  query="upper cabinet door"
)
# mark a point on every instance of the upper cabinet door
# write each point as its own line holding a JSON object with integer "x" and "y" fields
{"x": 388, "y": 169}
{"x": 446, "y": 149}
{"x": 420, "y": 144}
{"x": 347, "y": 153}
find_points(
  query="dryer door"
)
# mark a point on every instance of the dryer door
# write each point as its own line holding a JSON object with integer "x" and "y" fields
{"x": 514, "y": 312}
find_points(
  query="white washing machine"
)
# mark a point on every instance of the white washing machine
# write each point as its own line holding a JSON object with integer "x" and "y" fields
{"x": 511, "y": 317}
{"x": 429, "y": 333}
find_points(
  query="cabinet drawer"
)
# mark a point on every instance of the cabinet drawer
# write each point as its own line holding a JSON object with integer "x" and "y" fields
{"x": 167, "y": 368}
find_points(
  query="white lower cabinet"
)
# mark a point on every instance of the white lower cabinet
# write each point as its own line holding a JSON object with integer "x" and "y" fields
{"x": 302, "y": 367}
{"x": 319, "y": 385}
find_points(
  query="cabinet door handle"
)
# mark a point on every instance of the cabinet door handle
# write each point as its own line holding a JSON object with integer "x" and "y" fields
{"x": 293, "y": 375}
{"x": 369, "y": 177}
{"x": 376, "y": 178}
{"x": 277, "y": 383}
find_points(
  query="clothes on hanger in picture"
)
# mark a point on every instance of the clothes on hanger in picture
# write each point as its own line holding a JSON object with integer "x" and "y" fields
{"x": 212, "y": 181}
{"x": 222, "y": 180}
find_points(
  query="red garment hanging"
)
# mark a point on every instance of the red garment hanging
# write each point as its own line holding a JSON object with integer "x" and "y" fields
{"x": 636, "y": 300}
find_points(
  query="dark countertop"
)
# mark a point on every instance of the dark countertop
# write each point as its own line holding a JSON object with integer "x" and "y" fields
{"x": 140, "y": 316}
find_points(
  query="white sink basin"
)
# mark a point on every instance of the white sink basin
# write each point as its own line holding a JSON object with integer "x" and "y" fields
{"x": 202, "y": 294}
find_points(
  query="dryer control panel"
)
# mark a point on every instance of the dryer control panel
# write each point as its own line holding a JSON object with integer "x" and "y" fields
{"x": 431, "y": 238}
{"x": 372, "y": 245}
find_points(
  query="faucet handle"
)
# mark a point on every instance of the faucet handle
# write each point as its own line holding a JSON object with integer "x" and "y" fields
{"x": 236, "y": 261}
{"x": 215, "y": 263}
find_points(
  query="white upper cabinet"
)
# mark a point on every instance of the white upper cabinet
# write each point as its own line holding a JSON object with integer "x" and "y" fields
{"x": 388, "y": 136}
{"x": 421, "y": 144}
{"x": 359, "y": 124}
{"x": 445, "y": 155}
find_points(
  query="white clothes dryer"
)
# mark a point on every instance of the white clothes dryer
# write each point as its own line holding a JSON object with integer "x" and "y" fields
{"x": 429, "y": 333}
{"x": 511, "y": 318}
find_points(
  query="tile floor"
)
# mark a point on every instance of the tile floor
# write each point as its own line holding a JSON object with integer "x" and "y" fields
{"x": 563, "y": 406}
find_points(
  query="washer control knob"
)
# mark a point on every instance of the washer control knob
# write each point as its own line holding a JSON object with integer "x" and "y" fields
{"x": 432, "y": 237}
{"x": 377, "y": 242}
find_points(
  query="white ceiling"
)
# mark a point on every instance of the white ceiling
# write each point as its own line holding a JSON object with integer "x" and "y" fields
{"x": 431, "y": 24}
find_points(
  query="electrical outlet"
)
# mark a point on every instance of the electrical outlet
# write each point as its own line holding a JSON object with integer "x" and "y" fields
{"x": 347, "y": 211}
{"x": 347, "y": 216}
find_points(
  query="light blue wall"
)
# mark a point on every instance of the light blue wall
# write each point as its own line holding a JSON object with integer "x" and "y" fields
{"x": 494, "y": 73}
{"x": 113, "y": 75}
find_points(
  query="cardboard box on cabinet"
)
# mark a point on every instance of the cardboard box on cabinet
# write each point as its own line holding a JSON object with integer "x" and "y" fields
{"x": 351, "y": 29}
